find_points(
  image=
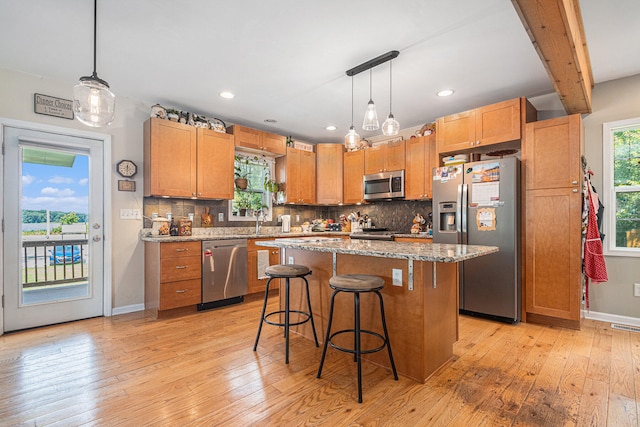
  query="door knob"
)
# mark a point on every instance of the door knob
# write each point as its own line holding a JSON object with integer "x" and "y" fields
{"x": 96, "y": 238}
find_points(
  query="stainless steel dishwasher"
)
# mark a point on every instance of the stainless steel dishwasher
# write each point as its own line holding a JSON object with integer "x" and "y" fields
{"x": 224, "y": 272}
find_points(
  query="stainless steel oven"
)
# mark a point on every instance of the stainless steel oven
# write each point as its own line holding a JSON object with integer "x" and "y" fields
{"x": 384, "y": 185}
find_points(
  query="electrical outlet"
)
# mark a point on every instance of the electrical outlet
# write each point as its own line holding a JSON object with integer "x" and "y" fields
{"x": 290, "y": 260}
{"x": 220, "y": 216}
{"x": 297, "y": 219}
{"x": 130, "y": 214}
{"x": 396, "y": 274}
{"x": 636, "y": 289}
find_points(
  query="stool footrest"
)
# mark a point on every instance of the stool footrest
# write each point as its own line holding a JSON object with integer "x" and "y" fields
{"x": 352, "y": 350}
{"x": 307, "y": 317}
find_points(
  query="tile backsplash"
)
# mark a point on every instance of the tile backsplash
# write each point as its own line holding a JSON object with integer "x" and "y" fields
{"x": 396, "y": 215}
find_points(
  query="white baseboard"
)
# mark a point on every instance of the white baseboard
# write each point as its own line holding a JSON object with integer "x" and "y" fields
{"x": 127, "y": 309}
{"x": 611, "y": 318}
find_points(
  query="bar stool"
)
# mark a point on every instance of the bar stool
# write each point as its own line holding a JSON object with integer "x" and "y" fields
{"x": 357, "y": 284}
{"x": 287, "y": 272}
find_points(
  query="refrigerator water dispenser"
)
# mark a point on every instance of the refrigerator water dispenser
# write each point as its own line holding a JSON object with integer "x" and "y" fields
{"x": 447, "y": 212}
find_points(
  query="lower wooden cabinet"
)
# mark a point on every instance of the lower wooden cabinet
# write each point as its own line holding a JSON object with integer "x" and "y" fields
{"x": 173, "y": 275}
{"x": 256, "y": 285}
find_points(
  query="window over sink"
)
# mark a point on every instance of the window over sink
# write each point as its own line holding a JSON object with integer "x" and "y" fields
{"x": 621, "y": 181}
{"x": 250, "y": 196}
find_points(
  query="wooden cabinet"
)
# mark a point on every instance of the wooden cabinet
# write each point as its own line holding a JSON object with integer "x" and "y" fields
{"x": 298, "y": 171}
{"x": 184, "y": 161}
{"x": 551, "y": 161}
{"x": 420, "y": 160}
{"x": 256, "y": 285}
{"x": 329, "y": 173}
{"x": 259, "y": 140}
{"x": 353, "y": 173}
{"x": 492, "y": 124}
{"x": 214, "y": 165}
{"x": 385, "y": 157}
{"x": 172, "y": 275}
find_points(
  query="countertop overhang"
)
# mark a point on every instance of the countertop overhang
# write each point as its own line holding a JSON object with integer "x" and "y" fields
{"x": 431, "y": 252}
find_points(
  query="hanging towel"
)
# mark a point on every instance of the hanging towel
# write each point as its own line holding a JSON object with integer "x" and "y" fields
{"x": 594, "y": 265}
{"x": 263, "y": 263}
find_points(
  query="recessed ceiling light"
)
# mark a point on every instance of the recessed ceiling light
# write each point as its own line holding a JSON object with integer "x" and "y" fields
{"x": 270, "y": 121}
{"x": 227, "y": 95}
{"x": 331, "y": 127}
{"x": 445, "y": 92}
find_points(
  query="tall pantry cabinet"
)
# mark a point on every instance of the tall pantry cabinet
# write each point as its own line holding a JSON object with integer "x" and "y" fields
{"x": 553, "y": 177}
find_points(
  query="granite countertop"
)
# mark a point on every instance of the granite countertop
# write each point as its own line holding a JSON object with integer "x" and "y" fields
{"x": 228, "y": 233}
{"x": 432, "y": 252}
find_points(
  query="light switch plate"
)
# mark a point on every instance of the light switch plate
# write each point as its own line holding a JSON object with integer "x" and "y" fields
{"x": 397, "y": 276}
{"x": 220, "y": 216}
{"x": 636, "y": 289}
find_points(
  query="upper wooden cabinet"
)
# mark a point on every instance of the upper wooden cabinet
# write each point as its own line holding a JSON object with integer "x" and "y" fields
{"x": 492, "y": 124}
{"x": 551, "y": 153}
{"x": 185, "y": 161}
{"x": 215, "y": 164}
{"x": 420, "y": 160}
{"x": 384, "y": 157}
{"x": 353, "y": 173}
{"x": 298, "y": 171}
{"x": 259, "y": 140}
{"x": 329, "y": 173}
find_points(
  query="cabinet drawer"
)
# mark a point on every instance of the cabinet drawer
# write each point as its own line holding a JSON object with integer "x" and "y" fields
{"x": 181, "y": 268}
{"x": 180, "y": 294}
{"x": 179, "y": 249}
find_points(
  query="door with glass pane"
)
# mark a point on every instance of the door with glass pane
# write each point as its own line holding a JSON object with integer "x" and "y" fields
{"x": 53, "y": 228}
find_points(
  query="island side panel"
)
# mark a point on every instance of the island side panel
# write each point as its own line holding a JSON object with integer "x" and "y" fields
{"x": 440, "y": 312}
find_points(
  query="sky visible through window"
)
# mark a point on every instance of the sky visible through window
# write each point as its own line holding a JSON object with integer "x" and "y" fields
{"x": 56, "y": 188}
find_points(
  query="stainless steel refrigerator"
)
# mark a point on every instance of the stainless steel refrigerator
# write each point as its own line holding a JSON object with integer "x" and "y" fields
{"x": 478, "y": 203}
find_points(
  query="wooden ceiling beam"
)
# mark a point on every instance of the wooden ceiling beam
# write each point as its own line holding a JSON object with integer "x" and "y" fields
{"x": 556, "y": 30}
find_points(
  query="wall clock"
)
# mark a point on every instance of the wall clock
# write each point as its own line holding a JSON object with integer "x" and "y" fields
{"x": 127, "y": 168}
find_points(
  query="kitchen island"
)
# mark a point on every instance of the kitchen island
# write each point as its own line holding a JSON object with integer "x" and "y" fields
{"x": 420, "y": 294}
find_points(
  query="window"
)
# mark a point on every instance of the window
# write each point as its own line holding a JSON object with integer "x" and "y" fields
{"x": 254, "y": 199}
{"x": 621, "y": 179}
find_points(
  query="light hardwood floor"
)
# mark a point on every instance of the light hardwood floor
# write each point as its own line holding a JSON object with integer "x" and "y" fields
{"x": 200, "y": 369}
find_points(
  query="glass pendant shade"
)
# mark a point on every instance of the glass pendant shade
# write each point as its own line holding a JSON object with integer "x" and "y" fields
{"x": 93, "y": 103}
{"x": 390, "y": 126}
{"x": 351, "y": 139}
{"x": 371, "y": 117}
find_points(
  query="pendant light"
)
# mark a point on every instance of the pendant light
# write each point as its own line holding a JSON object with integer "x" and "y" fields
{"x": 390, "y": 126}
{"x": 351, "y": 139}
{"x": 93, "y": 102}
{"x": 370, "y": 115}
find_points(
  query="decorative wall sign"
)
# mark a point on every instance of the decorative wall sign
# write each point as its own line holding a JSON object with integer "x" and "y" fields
{"x": 52, "y": 106}
{"x": 126, "y": 185}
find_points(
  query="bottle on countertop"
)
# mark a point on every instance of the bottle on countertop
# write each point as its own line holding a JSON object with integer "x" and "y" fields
{"x": 173, "y": 228}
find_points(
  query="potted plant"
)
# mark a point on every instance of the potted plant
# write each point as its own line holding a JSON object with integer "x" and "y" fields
{"x": 243, "y": 202}
{"x": 241, "y": 171}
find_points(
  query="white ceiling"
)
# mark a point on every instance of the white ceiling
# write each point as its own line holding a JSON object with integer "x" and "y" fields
{"x": 286, "y": 59}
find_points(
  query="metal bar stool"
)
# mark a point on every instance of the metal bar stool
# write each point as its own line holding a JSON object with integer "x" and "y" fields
{"x": 357, "y": 284}
{"x": 287, "y": 272}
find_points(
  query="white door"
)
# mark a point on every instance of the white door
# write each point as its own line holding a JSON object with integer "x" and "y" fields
{"x": 53, "y": 250}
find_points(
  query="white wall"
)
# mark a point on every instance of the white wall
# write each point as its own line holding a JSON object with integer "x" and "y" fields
{"x": 613, "y": 100}
{"x": 127, "y": 262}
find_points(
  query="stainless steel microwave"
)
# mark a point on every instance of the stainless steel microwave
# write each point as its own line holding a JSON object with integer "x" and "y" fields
{"x": 384, "y": 185}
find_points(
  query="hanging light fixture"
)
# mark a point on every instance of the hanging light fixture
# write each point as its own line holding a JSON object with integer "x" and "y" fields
{"x": 390, "y": 126}
{"x": 93, "y": 102}
{"x": 370, "y": 115}
{"x": 351, "y": 139}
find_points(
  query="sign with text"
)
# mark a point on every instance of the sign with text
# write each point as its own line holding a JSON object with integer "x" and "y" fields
{"x": 52, "y": 106}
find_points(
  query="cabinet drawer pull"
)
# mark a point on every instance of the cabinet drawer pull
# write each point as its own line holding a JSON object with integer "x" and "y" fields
{"x": 575, "y": 191}
{"x": 181, "y": 266}
{"x": 181, "y": 291}
{"x": 181, "y": 249}
{"x": 574, "y": 182}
